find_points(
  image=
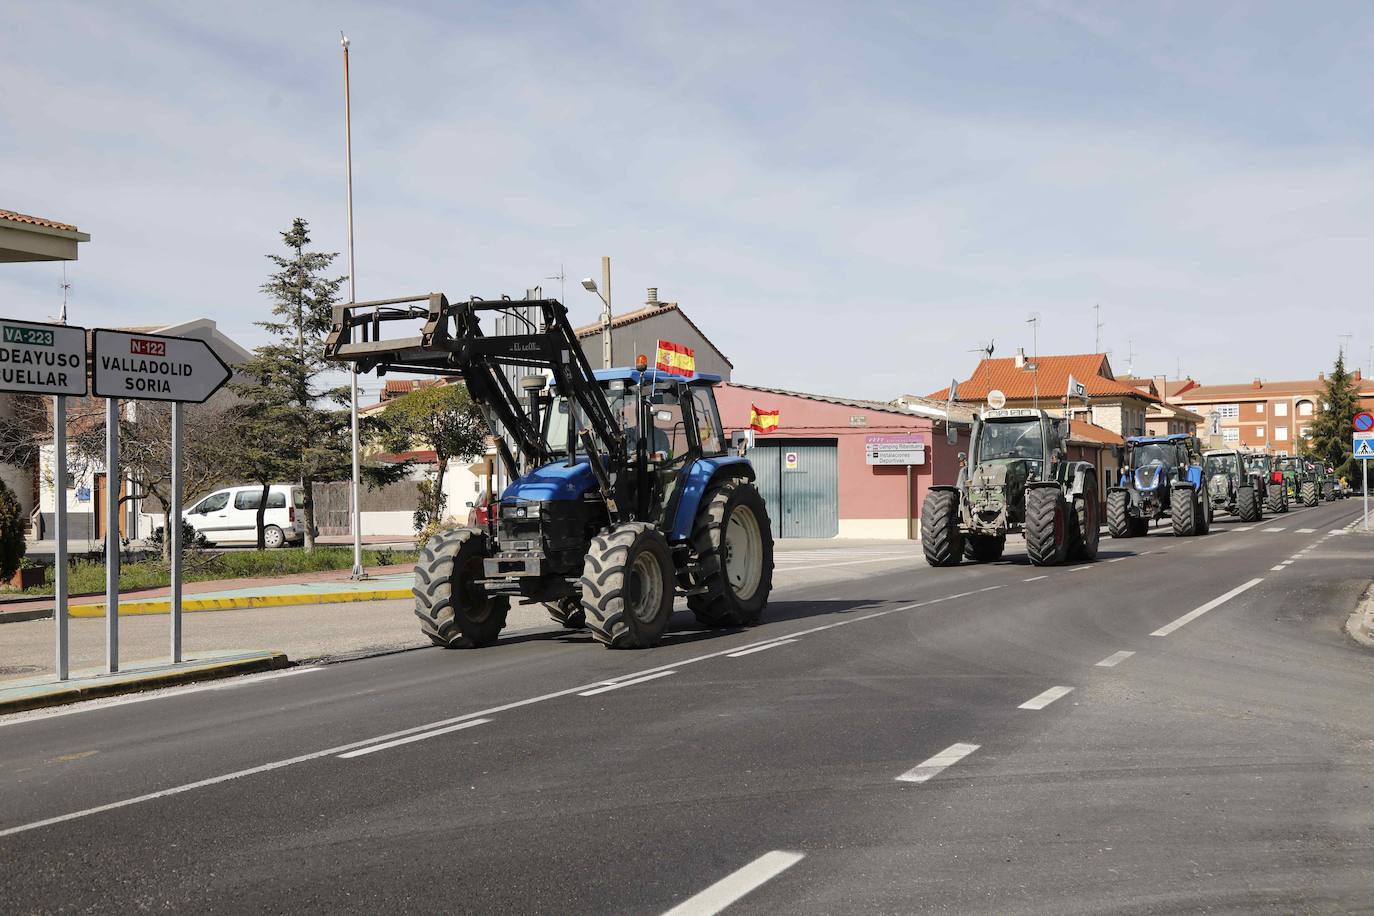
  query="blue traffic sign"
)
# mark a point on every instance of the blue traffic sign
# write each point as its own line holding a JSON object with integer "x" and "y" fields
{"x": 1364, "y": 422}
{"x": 1364, "y": 445}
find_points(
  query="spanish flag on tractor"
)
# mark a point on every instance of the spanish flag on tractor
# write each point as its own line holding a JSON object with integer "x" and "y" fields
{"x": 762, "y": 421}
{"x": 675, "y": 359}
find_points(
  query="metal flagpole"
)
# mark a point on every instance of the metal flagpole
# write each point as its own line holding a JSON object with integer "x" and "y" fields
{"x": 111, "y": 535}
{"x": 175, "y": 534}
{"x": 352, "y": 297}
{"x": 60, "y": 524}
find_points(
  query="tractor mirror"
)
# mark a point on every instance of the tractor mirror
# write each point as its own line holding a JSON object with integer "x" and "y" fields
{"x": 963, "y": 459}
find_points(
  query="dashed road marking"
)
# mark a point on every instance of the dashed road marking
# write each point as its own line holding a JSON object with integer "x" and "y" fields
{"x": 1307, "y": 531}
{"x": 924, "y": 771}
{"x": 1078, "y": 568}
{"x": 627, "y": 683}
{"x": 1197, "y": 612}
{"x": 410, "y": 739}
{"x": 752, "y": 649}
{"x": 737, "y": 884}
{"x": 1116, "y": 658}
{"x": 1246, "y": 528}
{"x": 1035, "y": 578}
{"x": 1273, "y": 530}
{"x": 1276, "y": 568}
{"x": 1117, "y": 559}
{"x": 1041, "y": 700}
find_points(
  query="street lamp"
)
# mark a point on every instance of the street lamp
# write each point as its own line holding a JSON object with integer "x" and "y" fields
{"x": 590, "y": 286}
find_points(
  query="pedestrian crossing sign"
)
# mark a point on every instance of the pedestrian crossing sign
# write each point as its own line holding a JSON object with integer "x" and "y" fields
{"x": 1364, "y": 445}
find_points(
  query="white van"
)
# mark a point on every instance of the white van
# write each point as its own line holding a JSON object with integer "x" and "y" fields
{"x": 230, "y": 516}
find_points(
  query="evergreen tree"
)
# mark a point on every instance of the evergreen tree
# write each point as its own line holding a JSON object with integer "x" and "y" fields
{"x": 1331, "y": 428}
{"x": 442, "y": 418}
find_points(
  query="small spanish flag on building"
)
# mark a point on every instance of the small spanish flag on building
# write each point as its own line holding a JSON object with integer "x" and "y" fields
{"x": 675, "y": 359}
{"x": 762, "y": 421}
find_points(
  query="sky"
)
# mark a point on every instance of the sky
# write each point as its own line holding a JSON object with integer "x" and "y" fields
{"x": 847, "y": 198}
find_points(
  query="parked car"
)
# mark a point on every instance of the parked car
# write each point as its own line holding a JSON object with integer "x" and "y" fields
{"x": 479, "y": 512}
{"x": 230, "y": 516}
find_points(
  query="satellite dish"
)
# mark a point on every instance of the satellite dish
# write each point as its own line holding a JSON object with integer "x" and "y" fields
{"x": 996, "y": 399}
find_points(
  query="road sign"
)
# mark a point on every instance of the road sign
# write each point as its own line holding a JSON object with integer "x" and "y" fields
{"x": 1363, "y": 422}
{"x": 42, "y": 358}
{"x": 790, "y": 461}
{"x": 154, "y": 367}
{"x": 887, "y": 451}
{"x": 1364, "y": 445}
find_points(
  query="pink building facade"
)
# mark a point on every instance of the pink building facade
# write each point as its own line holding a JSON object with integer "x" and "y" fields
{"x": 814, "y": 469}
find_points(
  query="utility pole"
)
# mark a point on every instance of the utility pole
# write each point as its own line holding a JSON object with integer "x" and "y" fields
{"x": 1097, "y": 320}
{"x": 352, "y": 298}
{"x": 1034, "y": 322}
{"x": 62, "y": 319}
{"x": 606, "y": 314}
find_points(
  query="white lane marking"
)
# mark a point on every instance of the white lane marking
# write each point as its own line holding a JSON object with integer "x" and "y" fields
{"x": 1197, "y": 612}
{"x": 1275, "y": 530}
{"x": 92, "y": 705}
{"x": 1307, "y": 531}
{"x": 1118, "y": 559}
{"x": 767, "y": 645}
{"x": 1337, "y": 531}
{"x": 1246, "y": 528}
{"x": 1035, "y": 578}
{"x": 990, "y": 588}
{"x": 951, "y": 755}
{"x": 846, "y": 563}
{"x": 736, "y": 884}
{"x": 1116, "y": 658}
{"x": 1286, "y": 563}
{"x": 1278, "y": 568}
{"x": 409, "y": 739}
{"x": 1079, "y": 568}
{"x": 626, "y": 683}
{"x": 1041, "y": 700}
{"x": 504, "y": 707}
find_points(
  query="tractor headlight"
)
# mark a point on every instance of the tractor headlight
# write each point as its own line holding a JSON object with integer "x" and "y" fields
{"x": 524, "y": 510}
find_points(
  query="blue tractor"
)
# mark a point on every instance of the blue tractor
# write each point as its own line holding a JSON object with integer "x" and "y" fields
{"x": 623, "y": 496}
{"x": 1160, "y": 476}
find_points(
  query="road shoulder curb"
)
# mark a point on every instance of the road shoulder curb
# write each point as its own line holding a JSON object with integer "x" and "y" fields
{"x": 1360, "y": 624}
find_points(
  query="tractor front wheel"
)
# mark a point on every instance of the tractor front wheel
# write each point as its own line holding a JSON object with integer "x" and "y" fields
{"x": 627, "y": 586}
{"x": 1087, "y": 523}
{"x": 1047, "y": 526}
{"x": 1183, "y": 511}
{"x": 455, "y": 611}
{"x": 1275, "y": 499}
{"x": 1118, "y": 514}
{"x": 1308, "y": 494}
{"x": 733, "y": 539}
{"x": 1248, "y": 504}
{"x": 941, "y": 539}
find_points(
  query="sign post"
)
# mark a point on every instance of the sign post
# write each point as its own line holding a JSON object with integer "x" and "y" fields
{"x": 151, "y": 367}
{"x": 906, "y": 450}
{"x": 112, "y": 489}
{"x": 49, "y": 359}
{"x": 1363, "y": 450}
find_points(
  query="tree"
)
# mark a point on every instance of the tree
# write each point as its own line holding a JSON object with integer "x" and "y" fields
{"x": 441, "y": 417}
{"x": 12, "y": 544}
{"x": 209, "y": 432}
{"x": 257, "y": 454}
{"x": 1331, "y": 428}
{"x": 310, "y": 435}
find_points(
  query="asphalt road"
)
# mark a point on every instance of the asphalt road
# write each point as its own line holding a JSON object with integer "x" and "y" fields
{"x": 1180, "y": 726}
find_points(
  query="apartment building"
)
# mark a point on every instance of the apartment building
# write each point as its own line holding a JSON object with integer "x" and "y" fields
{"x": 1260, "y": 414}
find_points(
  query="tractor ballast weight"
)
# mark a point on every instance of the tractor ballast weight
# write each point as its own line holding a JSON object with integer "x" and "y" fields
{"x": 1016, "y": 479}
{"x": 1161, "y": 476}
{"x": 622, "y": 496}
{"x": 1232, "y": 486}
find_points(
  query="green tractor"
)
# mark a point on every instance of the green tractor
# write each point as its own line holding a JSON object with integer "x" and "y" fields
{"x": 1300, "y": 480}
{"x": 1265, "y": 466}
{"x": 1231, "y": 486}
{"x": 1016, "y": 479}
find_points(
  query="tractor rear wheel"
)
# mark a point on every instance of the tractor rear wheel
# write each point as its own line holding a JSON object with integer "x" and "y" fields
{"x": 627, "y": 586}
{"x": 984, "y": 548}
{"x": 733, "y": 540}
{"x": 1204, "y": 512}
{"x": 1308, "y": 494}
{"x": 1274, "y": 499}
{"x": 1248, "y": 504}
{"x": 1047, "y": 526}
{"x": 1086, "y": 525}
{"x": 568, "y": 612}
{"x": 1183, "y": 511}
{"x": 455, "y": 612}
{"x": 941, "y": 539}
{"x": 1118, "y": 514}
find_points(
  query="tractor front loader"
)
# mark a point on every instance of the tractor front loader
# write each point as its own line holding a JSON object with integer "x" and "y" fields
{"x": 622, "y": 495}
{"x": 1016, "y": 479}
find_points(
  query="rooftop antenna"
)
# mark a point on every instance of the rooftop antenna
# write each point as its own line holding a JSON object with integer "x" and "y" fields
{"x": 62, "y": 318}
{"x": 1130, "y": 356}
{"x": 986, "y": 349}
{"x": 1345, "y": 343}
{"x": 1178, "y": 367}
{"x": 1034, "y": 322}
{"x": 562, "y": 281}
{"x": 1097, "y": 340}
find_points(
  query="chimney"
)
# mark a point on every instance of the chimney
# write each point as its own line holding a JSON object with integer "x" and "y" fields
{"x": 1357, "y": 375}
{"x": 1020, "y": 357}
{"x": 652, "y": 299}
{"x": 1256, "y": 384}
{"x": 1321, "y": 376}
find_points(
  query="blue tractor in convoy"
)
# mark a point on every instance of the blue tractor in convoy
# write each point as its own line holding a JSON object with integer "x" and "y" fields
{"x": 623, "y": 491}
{"x": 1160, "y": 476}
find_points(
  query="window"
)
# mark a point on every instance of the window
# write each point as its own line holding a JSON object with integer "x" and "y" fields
{"x": 1228, "y": 411}
{"x": 250, "y": 499}
{"x": 1280, "y": 433}
{"x": 1259, "y": 407}
{"x": 213, "y": 503}
{"x": 1259, "y": 432}
{"x": 1304, "y": 408}
{"x": 708, "y": 423}
{"x": 1231, "y": 436}
{"x": 1280, "y": 408}
{"x": 1305, "y": 432}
